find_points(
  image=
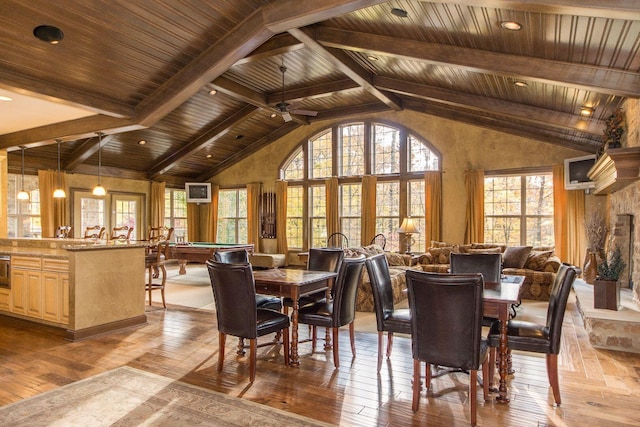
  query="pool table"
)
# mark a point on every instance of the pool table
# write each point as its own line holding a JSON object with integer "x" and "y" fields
{"x": 201, "y": 251}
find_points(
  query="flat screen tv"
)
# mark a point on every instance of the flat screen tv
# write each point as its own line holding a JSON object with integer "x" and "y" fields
{"x": 575, "y": 172}
{"x": 198, "y": 192}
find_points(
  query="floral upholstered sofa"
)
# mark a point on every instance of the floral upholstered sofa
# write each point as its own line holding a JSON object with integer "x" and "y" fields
{"x": 537, "y": 264}
{"x": 398, "y": 265}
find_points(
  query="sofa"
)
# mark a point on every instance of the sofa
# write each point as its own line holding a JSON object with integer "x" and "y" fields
{"x": 398, "y": 265}
{"x": 537, "y": 264}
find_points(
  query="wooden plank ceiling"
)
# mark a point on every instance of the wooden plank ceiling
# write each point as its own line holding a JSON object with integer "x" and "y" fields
{"x": 145, "y": 68}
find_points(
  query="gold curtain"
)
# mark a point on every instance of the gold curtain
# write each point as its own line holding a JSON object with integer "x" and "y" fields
{"x": 193, "y": 222}
{"x": 474, "y": 220}
{"x": 568, "y": 220}
{"x": 368, "y": 214}
{"x": 432, "y": 206}
{"x": 211, "y": 230}
{"x": 333, "y": 220}
{"x": 281, "y": 219}
{"x": 253, "y": 214}
{"x": 53, "y": 212}
{"x": 157, "y": 204}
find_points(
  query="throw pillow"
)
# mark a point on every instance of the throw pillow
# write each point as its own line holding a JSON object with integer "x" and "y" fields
{"x": 394, "y": 258}
{"x": 515, "y": 256}
{"x": 440, "y": 255}
{"x": 537, "y": 260}
{"x": 495, "y": 250}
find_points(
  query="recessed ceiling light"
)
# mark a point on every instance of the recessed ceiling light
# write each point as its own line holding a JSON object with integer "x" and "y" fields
{"x": 273, "y": 115}
{"x": 209, "y": 156}
{"x": 586, "y": 111}
{"x": 511, "y": 25}
{"x": 5, "y": 98}
{"x": 372, "y": 58}
{"x": 399, "y": 12}
{"x": 239, "y": 136}
{"x": 213, "y": 92}
{"x": 520, "y": 83}
{"x": 48, "y": 33}
{"x": 142, "y": 142}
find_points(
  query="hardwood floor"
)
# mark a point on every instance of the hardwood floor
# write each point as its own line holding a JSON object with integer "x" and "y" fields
{"x": 598, "y": 387}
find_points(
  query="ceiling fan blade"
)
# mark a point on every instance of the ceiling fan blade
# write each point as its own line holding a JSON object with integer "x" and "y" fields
{"x": 305, "y": 112}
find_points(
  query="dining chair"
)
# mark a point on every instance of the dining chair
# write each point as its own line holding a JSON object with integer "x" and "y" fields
{"x": 446, "y": 328}
{"x": 489, "y": 265}
{"x": 380, "y": 240}
{"x": 157, "y": 234}
{"x": 540, "y": 338}
{"x": 338, "y": 240}
{"x": 64, "y": 232}
{"x": 94, "y": 232}
{"x": 234, "y": 293}
{"x": 388, "y": 318}
{"x": 155, "y": 262}
{"x": 339, "y": 311}
{"x": 121, "y": 233}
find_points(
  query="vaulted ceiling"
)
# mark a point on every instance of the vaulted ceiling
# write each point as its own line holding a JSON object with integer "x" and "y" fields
{"x": 143, "y": 70}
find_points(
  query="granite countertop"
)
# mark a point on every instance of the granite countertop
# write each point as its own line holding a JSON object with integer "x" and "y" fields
{"x": 59, "y": 248}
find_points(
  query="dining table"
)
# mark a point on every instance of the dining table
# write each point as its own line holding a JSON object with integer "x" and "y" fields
{"x": 497, "y": 301}
{"x": 292, "y": 283}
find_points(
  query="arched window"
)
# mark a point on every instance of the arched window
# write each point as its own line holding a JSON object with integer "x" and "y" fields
{"x": 397, "y": 158}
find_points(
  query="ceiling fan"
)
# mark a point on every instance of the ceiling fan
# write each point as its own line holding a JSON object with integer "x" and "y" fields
{"x": 283, "y": 107}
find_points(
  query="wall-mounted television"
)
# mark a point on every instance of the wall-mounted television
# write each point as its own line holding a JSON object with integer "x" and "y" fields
{"x": 198, "y": 192}
{"x": 575, "y": 172}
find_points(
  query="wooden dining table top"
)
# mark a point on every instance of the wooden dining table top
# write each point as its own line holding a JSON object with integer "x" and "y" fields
{"x": 506, "y": 291}
{"x": 291, "y": 276}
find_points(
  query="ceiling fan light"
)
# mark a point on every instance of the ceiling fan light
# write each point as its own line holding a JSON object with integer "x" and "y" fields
{"x": 59, "y": 193}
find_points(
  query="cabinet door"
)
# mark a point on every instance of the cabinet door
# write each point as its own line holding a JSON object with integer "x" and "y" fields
{"x": 51, "y": 293}
{"x": 19, "y": 279}
{"x": 5, "y": 303}
{"x": 64, "y": 295}
{"x": 34, "y": 294}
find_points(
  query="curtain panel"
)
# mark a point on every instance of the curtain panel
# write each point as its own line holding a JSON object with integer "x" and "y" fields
{"x": 53, "y": 212}
{"x": 211, "y": 231}
{"x": 333, "y": 219}
{"x": 157, "y": 204}
{"x": 568, "y": 220}
{"x": 281, "y": 219}
{"x": 432, "y": 206}
{"x": 253, "y": 214}
{"x": 474, "y": 219}
{"x": 368, "y": 213}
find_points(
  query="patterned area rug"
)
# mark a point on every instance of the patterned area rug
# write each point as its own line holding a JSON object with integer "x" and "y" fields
{"x": 131, "y": 397}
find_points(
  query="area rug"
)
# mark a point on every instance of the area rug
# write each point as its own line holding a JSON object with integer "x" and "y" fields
{"x": 130, "y": 397}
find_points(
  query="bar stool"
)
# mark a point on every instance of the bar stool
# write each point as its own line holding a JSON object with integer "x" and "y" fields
{"x": 155, "y": 262}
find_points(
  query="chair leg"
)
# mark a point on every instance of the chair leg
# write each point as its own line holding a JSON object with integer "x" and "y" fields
{"x": 285, "y": 345}
{"x": 252, "y": 359}
{"x": 352, "y": 337}
{"x": 552, "y": 373}
{"x": 314, "y": 336}
{"x": 240, "y": 350}
{"x": 485, "y": 379}
{"x": 164, "y": 282}
{"x": 150, "y": 280}
{"x": 221, "y": 340}
{"x": 380, "y": 341}
{"x": 336, "y": 358}
{"x": 427, "y": 376}
{"x": 389, "y": 343}
{"x": 473, "y": 394}
{"x": 492, "y": 365}
{"x": 415, "y": 403}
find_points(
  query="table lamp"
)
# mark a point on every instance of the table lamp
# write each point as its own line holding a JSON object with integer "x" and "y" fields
{"x": 408, "y": 227}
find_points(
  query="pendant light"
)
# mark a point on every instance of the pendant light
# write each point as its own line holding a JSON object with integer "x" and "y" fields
{"x": 22, "y": 195}
{"x": 59, "y": 192}
{"x": 99, "y": 190}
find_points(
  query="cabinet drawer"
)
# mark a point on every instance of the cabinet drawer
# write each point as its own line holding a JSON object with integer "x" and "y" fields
{"x": 50, "y": 264}
{"x": 26, "y": 262}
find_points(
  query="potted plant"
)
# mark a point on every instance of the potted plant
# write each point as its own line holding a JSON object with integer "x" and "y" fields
{"x": 606, "y": 292}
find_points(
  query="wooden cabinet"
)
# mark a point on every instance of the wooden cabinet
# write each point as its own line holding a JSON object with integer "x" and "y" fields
{"x": 5, "y": 299}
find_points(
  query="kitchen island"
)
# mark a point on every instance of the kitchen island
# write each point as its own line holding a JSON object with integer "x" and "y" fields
{"x": 86, "y": 287}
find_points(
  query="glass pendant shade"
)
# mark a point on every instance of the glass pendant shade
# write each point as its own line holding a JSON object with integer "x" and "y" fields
{"x": 22, "y": 195}
{"x": 59, "y": 192}
{"x": 99, "y": 190}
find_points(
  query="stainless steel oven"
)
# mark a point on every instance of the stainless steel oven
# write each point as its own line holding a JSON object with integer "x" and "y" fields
{"x": 5, "y": 262}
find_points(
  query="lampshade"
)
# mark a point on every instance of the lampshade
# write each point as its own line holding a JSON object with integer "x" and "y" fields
{"x": 408, "y": 226}
{"x": 59, "y": 193}
{"x": 99, "y": 190}
{"x": 22, "y": 195}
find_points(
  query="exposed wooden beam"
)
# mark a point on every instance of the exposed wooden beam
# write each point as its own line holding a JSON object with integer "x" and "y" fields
{"x": 486, "y": 105}
{"x": 311, "y": 92}
{"x": 86, "y": 149}
{"x": 276, "y": 45}
{"x": 587, "y": 77}
{"x": 222, "y": 128}
{"x": 349, "y": 67}
{"x": 354, "y": 110}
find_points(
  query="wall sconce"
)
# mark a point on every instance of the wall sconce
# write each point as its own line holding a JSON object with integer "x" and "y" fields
{"x": 22, "y": 195}
{"x": 408, "y": 227}
{"x": 99, "y": 190}
{"x": 59, "y": 193}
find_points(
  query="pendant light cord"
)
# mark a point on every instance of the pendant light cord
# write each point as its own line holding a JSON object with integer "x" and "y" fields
{"x": 99, "y": 157}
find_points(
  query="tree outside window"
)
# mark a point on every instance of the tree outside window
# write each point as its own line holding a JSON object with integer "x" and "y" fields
{"x": 232, "y": 216}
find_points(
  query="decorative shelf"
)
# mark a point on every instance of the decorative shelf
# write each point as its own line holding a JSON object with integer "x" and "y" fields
{"x": 615, "y": 169}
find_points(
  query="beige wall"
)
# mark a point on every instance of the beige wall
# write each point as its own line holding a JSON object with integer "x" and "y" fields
{"x": 462, "y": 146}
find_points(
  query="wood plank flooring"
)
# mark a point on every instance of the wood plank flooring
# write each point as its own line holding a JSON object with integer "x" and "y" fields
{"x": 598, "y": 387}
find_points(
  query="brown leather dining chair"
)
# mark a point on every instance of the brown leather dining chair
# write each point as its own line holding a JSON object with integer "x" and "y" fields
{"x": 94, "y": 232}
{"x": 446, "y": 328}
{"x": 122, "y": 234}
{"x": 234, "y": 293}
{"x": 155, "y": 261}
{"x": 388, "y": 318}
{"x": 540, "y": 338}
{"x": 339, "y": 311}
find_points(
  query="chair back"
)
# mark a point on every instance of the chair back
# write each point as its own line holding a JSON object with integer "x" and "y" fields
{"x": 232, "y": 257}
{"x": 338, "y": 240}
{"x": 345, "y": 290}
{"x": 121, "y": 233}
{"x": 235, "y": 296}
{"x": 380, "y": 240}
{"x": 380, "y": 279}
{"x": 325, "y": 259}
{"x": 157, "y": 234}
{"x": 94, "y": 232}
{"x": 490, "y": 265}
{"x": 560, "y": 289}
{"x": 64, "y": 232}
{"x": 446, "y": 313}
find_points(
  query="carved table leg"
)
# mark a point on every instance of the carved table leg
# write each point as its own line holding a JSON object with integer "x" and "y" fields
{"x": 295, "y": 361}
{"x": 503, "y": 367}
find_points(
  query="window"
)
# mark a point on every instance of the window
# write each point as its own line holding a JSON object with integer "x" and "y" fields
{"x": 398, "y": 159}
{"x": 175, "y": 212}
{"x": 519, "y": 209}
{"x": 232, "y": 216}
{"x": 92, "y": 212}
{"x": 23, "y": 216}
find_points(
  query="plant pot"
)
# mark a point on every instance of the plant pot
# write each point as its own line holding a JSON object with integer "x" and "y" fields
{"x": 606, "y": 294}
